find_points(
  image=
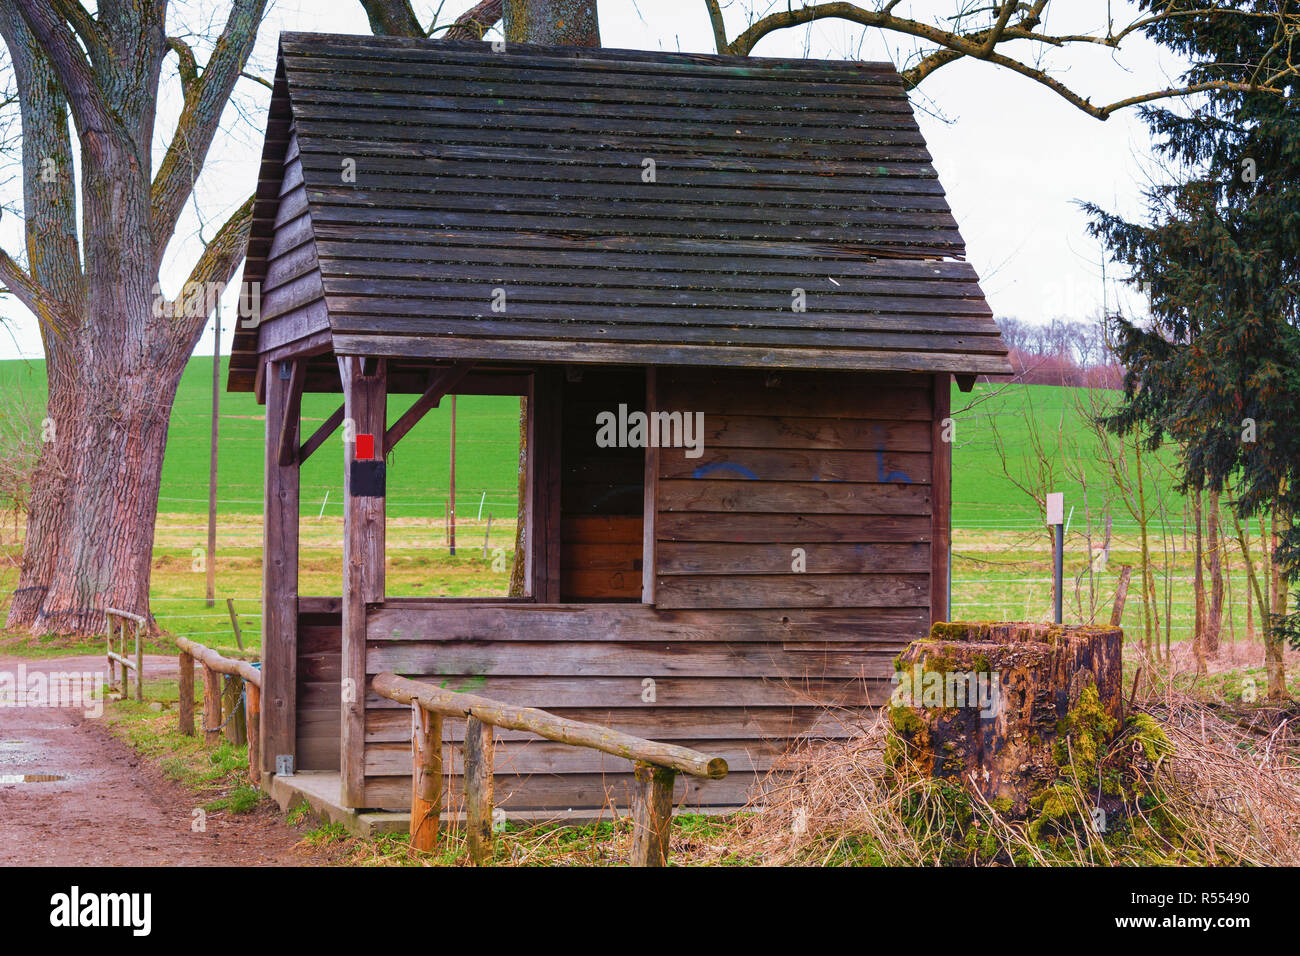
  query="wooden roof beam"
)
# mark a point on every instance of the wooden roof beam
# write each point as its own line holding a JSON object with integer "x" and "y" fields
{"x": 318, "y": 437}
{"x": 441, "y": 383}
{"x": 291, "y": 423}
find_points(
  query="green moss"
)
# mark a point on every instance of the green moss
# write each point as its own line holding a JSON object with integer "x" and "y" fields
{"x": 1150, "y": 736}
{"x": 1055, "y": 805}
{"x": 1082, "y": 738}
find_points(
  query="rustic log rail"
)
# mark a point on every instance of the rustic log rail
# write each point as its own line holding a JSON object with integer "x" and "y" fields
{"x": 657, "y": 764}
{"x": 134, "y": 662}
{"x": 213, "y": 666}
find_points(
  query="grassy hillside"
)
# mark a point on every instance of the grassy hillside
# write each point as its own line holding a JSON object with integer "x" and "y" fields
{"x": 487, "y": 431}
{"x": 486, "y": 447}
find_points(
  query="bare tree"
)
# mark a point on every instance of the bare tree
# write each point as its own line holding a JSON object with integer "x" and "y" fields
{"x": 115, "y": 349}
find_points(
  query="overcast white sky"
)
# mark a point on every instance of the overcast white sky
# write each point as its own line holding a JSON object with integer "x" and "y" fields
{"x": 1013, "y": 157}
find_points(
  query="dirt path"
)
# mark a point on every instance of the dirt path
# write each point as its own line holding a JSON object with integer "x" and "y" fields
{"x": 111, "y": 808}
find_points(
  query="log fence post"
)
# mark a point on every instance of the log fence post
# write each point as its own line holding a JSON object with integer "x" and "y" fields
{"x": 139, "y": 663}
{"x": 253, "y": 712}
{"x": 186, "y": 694}
{"x": 478, "y": 791}
{"x": 232, "y": 709}
{"x": 652, "y": 814}
{"x": 211, "y": 706}
{"x": 108, "y": 643}
{"x": 656, "y": 764}
{"x": 426, "y": 777}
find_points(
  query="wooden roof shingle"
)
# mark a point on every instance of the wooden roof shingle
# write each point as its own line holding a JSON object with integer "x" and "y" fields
{"x": 580, "y": 205}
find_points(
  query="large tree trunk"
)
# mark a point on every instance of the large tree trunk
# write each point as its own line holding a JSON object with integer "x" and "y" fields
{"x": 115, "y": 347}
{"x": 113, "y": 444}
{"x": 554, "y": 22}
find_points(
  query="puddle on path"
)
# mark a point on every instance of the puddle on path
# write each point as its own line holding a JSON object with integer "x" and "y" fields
{"x": 8, "y": 778}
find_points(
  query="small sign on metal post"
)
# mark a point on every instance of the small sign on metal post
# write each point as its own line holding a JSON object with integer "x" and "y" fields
{"x": 1056, "y": 518}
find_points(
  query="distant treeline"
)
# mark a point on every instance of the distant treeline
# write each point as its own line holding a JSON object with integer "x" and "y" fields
{"x": 1061, "y": 352}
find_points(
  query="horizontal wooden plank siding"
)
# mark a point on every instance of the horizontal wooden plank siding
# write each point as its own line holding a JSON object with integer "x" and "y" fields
{"x": 744, "y": 683}
{"x": 292, "y": 300}
{"x": 807, "y": 490}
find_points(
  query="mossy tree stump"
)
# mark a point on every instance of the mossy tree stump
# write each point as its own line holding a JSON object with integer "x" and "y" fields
{"x": 1001, "y": 707}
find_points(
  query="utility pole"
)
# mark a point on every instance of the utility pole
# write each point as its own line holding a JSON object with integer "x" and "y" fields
{"x": 212, "y": 461}
{"x": 451, "y": 484}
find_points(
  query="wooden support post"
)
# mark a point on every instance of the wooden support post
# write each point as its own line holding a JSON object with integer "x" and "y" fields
{"x": 478, "y": 791}
{"x": 253, "y": 714}
{"x": 211, "y": 707}
{"x": 139, "y": 663}
{"x": 652, "y": 814}
{"x": 544, "y": 476}
{"x": 426, "y": 777}
{"x": 186, "y": 694}
{"x": 232, "y": 710}
{"x": 279, "y": 582}
{"x": 940, "y": 497}
{"x": 365, "y": 398}
{"x": 650, "y": 499}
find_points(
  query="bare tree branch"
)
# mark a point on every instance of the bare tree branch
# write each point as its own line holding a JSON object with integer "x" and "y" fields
{"x": 217, "y": 264}
{"x": 982, "y": 44}
{"x": 258, "y": 79}
{"x": 16, "y": 279}
{"x": 476, "y": 21}
{"x": 70, "y": 66}
{"x": 719, "y": 27}
{"x": 49, "y": 184}
{"x": 206, "y": 95}
{"x": 85, "y": 26}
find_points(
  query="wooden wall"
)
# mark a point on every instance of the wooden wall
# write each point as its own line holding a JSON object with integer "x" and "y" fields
{"x": 743, "y": 685}
{"x": 837, "y": 466}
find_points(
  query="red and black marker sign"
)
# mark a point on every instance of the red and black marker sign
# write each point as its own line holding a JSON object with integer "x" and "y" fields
{"x": 368, "y": 478}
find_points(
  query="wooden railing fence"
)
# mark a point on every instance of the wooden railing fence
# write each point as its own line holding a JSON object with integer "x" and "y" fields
{"x": 216, "y": 701}
{"x": 656, "y": 764}
{"x": 134, "y": 661}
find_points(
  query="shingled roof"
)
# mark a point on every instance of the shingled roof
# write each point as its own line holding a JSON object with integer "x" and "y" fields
{"x": 614, "y": 206}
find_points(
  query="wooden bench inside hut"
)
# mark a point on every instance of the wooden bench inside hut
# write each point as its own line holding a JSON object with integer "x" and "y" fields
{"x": 760, "y": 245}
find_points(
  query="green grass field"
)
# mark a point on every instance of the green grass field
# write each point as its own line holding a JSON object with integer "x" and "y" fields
{"x": 487, "y": 443}
{"x": 487, "y": 448}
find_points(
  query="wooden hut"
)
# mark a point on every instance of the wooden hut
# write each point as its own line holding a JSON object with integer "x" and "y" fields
{"x": 760, "y": 243}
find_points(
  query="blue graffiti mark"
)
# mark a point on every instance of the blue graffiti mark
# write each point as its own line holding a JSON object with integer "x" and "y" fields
{"x": 902, "y": 476}
{"x": 723, "y": 466}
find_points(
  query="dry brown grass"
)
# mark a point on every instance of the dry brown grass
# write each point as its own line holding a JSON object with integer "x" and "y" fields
{"x": 1234, "y": 778}
{"x": 1225, "y": 792}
